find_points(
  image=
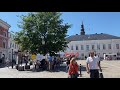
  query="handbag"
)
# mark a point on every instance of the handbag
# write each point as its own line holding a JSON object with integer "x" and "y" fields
{"x": 101, "y": 75}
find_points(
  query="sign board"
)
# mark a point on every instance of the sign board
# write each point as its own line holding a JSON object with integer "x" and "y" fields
{"x": 33, "y": 56}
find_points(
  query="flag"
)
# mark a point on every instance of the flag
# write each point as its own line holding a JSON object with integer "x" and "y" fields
{"x": 77, "y": 54}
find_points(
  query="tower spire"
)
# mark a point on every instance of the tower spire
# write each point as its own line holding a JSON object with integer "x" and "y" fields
{"x": 82, "y": 22}
{"x": 82, "y": 29}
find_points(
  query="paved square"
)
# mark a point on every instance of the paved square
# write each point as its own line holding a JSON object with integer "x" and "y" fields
{"x": 111, "y": 69}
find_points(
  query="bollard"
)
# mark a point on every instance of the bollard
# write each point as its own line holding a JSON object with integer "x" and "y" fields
{"x": 80, "y": 71}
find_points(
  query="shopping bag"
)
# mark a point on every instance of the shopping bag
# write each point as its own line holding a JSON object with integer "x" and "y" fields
{"x": 101, "y": 75}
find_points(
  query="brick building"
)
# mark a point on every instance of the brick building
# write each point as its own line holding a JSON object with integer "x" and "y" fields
{"x": 4, "y": 28}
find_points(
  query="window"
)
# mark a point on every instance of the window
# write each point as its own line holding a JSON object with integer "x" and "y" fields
{"x": 98, "y": 47}
{"x": 0, "y": 32}
{"x": 82, "y": 48}
{"x": 71, "y": 47}
{"x": 0, "y": 43}
{"x": 87, "y": 47}
{"x": 109, "y": 46}
{"x": 93, "y": 47}
{"x": 15, "y": 46}
{"x": 10, "y": 45}
{"x": 4, "y": 34}
{"x": 118, "y": 53}
{"x": 0, "y": 54}
{"x": 4, "y": 45}
{"x": 76, "y": 47}
{"x": 117, "y": 46}
{"x": 104, "y": 46}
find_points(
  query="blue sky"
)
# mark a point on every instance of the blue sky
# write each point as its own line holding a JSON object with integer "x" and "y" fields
{"x": 94, "y": 22}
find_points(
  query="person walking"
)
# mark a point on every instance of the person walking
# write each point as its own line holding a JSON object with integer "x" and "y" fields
{"x": 3, "y": 58}
{"x": 33, "y": 57}
{"x": 93, "y": 65}
{"x": 50, "y": 63}
{"x": 73, "y": 69}
{"x": 67, "y": 63}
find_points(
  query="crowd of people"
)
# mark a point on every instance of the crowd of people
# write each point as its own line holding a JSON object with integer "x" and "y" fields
{"x": 52, "y": 63}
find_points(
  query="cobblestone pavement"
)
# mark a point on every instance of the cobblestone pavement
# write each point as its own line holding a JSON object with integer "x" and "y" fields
{"x": 111, "y": 69}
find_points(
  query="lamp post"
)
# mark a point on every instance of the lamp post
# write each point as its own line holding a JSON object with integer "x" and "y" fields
{"x": 43, "y": 42}
{"x": 12, "y": 58}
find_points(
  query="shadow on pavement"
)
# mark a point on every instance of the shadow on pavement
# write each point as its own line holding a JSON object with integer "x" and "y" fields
{"x": 63, "y": 68}
{"x": 83, "y": 68}
{"x": 2, "y": 65}
{"x": 59, "y": 69}
{"x": 104, "y": 67}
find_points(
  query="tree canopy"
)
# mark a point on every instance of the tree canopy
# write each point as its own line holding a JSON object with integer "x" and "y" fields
{"x": 42, "y": 32}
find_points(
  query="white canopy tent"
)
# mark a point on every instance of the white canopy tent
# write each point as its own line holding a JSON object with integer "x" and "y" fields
{"x": 110, "y": 56}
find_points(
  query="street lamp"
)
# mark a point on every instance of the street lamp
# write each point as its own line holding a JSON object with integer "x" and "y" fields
{"x": 12, "y": 58}
{"x": 43, "y": 42}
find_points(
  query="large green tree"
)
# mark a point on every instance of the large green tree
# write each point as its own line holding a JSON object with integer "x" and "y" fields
{"x": 39, "y": 27}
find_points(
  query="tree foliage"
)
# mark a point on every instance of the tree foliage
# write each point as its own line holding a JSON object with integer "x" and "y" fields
{"x": 39, "y": 27}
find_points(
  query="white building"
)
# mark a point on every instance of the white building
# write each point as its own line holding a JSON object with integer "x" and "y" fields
{"x": 100, "y": 43}
{"x": 12, "y": 46}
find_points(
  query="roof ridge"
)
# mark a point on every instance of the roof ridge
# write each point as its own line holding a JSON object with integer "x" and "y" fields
{"x": 102, "y": 36}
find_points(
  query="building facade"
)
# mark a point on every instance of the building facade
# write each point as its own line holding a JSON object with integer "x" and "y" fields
{"x": 12, "y": 47}
{"x": 4, "y": 28}
{"x": 100, "y": 47}
{"x": 100, "y": 43}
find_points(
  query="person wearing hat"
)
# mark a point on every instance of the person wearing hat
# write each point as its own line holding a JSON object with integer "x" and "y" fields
{"x": 73, "y": 69}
